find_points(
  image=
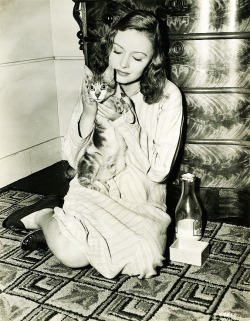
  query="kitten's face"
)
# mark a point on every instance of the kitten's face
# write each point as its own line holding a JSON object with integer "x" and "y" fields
{"x": 100, "y": 87}
{"x": 98, "y": 90}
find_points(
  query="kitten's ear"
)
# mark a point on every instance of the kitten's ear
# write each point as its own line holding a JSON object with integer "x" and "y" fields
{"x": 88, "y": 73}
{"x": 108, "y": 76}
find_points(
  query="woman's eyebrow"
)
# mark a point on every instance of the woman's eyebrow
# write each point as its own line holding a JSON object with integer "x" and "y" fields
{"x": 139, "y": 52}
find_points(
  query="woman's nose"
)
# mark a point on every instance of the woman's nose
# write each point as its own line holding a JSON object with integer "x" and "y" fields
{"x": 124, "y": 61}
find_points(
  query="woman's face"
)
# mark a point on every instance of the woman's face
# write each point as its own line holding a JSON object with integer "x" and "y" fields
{"x": 132, "y": 51}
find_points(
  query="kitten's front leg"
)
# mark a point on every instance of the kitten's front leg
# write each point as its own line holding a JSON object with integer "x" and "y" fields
{"x": 117, "y": 104}
{"x": 96, "y": 185}
{"x": 126, "y": 107}
{"x": 85, "y": 182}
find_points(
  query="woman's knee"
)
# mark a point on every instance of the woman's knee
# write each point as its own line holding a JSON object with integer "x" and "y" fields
{"x": 74, "y": 261}
{"x": 69, "y": 255}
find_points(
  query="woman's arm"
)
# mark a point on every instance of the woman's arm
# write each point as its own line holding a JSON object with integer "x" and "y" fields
{"x": 155, "y": 153}
{"x": 166, "y": 142}
{"x": 80, "y": 129}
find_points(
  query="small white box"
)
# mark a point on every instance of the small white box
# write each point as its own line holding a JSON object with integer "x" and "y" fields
{"x": 189, "y": 251}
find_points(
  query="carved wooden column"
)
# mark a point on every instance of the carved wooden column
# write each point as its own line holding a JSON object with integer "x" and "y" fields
{"x": 80, "y": 15}
{"x": 78, "y": 18}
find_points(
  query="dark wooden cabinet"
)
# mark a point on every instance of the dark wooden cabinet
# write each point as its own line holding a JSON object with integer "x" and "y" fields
{"x": 209, "y": 55}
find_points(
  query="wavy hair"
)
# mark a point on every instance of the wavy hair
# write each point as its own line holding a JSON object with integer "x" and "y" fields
{"x": 153, "y": 79}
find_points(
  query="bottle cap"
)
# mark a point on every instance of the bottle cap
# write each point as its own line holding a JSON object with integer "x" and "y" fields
{"x": 188, "y": 177}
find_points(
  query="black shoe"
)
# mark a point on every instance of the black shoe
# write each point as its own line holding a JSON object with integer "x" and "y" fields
{"x": 34, "y": 241}
{"x": 13, "y": 221}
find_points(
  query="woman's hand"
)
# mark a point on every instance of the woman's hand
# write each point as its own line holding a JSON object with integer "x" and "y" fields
{"x": 89, "y": 104}
{"x": 115, "y": 107}
{"x": 107, "y": 110}
{"x": 88, "y": 116}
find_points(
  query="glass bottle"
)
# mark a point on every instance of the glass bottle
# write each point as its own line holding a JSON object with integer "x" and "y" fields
{"x": 188, "y": 213}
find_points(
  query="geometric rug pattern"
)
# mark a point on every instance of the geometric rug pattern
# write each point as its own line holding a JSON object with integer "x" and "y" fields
{"x": 35, "y": 286}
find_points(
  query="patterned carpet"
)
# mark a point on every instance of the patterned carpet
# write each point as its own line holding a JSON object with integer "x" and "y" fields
{"x": 35, "y": 286}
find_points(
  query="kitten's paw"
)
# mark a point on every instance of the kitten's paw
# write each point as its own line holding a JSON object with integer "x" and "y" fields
{"x": 88, "y": 184}
{"x": 84, "y": 181}
{"x": 117, "y": 103}
{"x": 119, "y": 106}
{"x": 93, "y": 187}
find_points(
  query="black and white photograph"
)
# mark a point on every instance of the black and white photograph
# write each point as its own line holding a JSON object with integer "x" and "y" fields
{"x": 125, "y": 160}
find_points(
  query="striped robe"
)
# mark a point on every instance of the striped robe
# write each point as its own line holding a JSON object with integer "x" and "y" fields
{"x": 124, "y": 231}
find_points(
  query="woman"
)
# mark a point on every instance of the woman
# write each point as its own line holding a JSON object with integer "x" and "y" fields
{"x": 124, "y": 231}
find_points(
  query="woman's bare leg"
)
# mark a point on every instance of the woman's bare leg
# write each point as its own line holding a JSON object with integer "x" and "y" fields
{"x": 64, "y": 250}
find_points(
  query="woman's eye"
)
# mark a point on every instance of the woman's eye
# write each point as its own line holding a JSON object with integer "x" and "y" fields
{"x": 137, "y": 59}
{"x": 117, "y": 52}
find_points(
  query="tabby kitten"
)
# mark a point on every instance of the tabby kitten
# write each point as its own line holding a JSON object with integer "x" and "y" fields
{"x": 104, "y": 157}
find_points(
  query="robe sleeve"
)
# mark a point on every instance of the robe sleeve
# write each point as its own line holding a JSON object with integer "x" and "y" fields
{"x": 73, "y": 144}
{"x": 165, "y": 143}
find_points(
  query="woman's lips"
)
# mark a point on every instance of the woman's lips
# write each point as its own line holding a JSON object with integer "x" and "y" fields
{"x": 121, "y": 73}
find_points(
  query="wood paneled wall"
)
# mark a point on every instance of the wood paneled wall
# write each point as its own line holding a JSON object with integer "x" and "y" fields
{"x": 209, "y": 42}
